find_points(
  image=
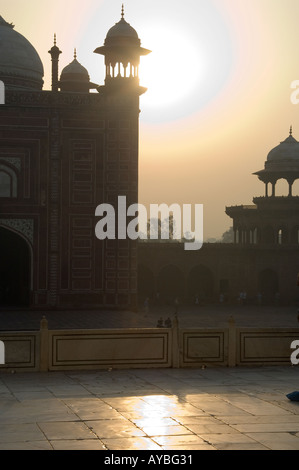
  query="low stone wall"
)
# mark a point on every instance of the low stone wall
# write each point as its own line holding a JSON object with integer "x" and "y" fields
{"x": 264, "y": 345}
{"x": 21, "y": 350}
{"x": 200, "y": 347}
{"x": 88, "y": 349}
{"x": 49, "y": 350}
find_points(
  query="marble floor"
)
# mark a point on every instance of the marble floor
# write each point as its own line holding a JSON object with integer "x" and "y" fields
{"x": 150, "y": 409}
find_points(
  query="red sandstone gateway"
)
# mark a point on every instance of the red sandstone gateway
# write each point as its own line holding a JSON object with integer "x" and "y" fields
{"x": 63, "y": 152}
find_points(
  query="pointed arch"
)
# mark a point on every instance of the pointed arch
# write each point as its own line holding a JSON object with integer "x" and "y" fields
{"x": 15, "y": 269}
{"x": 201, "y": 282}
{"x": 268, "y": 284}
{"x": 171, "y": 282}
{"x": 146, "y": 283}
{"x": 8, "y": 181}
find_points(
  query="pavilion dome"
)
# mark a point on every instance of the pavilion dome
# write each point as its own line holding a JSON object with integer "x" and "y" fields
{"x": 74, "y": 72}
{"x": 75, "y": 78}
{"x": 122, "y": 29}
{"x": 285, "y": 151}
{"x": 20, "y": 64}
{"x": 122, "y": 33}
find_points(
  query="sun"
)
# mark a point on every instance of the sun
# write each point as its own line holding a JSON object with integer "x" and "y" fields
{"x": 173, "y": 69}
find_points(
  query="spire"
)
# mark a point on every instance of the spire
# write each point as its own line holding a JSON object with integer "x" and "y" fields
{"x": 291, "y": 130}
{"x": 55, "y": 53}
{"x": 54, "y": 47}
{"x": 55, "y": 50}
{"x": 122, "y": 12}
{"x": 75, "y": 53}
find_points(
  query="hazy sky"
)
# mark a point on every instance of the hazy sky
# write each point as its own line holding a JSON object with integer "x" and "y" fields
{"x": 219, "y": 86}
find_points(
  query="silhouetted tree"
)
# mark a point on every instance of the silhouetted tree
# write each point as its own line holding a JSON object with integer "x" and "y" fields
{"x": 228, "y": 236}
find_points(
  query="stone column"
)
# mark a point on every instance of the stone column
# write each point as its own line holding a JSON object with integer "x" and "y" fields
{"x": 175, "y": 344}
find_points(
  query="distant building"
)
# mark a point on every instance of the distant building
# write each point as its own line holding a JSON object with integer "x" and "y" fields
{"x": 62, "y": 153}
{"x": 262, "y": 263}
{"x": 272, "y": 219}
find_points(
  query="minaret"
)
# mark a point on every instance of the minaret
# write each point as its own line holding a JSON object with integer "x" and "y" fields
{"x": 55, "y": 53}
{"x": 122, "y": 51}
{"x": 282, "y": 163}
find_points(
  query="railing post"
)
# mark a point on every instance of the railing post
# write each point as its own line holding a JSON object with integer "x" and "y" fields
{"x": 44, "y": 345}
{"x": 175, "y": 343}
{"x": 232, "y": 342}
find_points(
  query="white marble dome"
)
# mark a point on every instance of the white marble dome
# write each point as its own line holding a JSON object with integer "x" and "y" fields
{"x": 20, "y": 64}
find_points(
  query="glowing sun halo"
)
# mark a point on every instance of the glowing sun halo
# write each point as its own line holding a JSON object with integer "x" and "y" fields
{"x": 173, "y": 69}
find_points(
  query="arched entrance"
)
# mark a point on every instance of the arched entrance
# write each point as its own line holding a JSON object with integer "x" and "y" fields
{"x": 145, "y": 282}
{"x": 14, "y": 270}
{"x": 268, "y": 285}
{"x": 171, "y": 283}
{"x": 201, "y": 283}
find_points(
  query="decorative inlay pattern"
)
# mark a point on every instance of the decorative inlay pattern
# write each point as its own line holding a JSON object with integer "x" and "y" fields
{"x": 23, "y": 226}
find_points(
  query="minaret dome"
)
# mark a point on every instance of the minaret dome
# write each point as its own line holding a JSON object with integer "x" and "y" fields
{"x": 122, "y": 51}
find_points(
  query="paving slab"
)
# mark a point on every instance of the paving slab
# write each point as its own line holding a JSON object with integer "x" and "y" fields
{"x": 76, "y": 444}
{"x": 116, "y": 428}
{"x": 276, "y": 440}
{"x": 131, "y": 443}
{"x": 16, "y": 432}
{"x": 66, "y": 430}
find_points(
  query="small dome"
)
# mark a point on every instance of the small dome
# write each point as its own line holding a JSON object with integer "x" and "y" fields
{"x": 122, "y": 34}
{"x": 286, "y": 150}
{"x": 75, "y": 78}
{"x": 20, "y": 64}
{"x": 122, "y": 29}
{"x": 74, "y": 71}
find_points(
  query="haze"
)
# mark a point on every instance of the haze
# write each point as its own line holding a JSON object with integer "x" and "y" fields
{"x": 224, "y": 100}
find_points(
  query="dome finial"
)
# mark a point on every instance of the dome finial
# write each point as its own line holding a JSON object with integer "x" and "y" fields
{"x": 122, "y": 12}
{"x": 75, "y": 53}
{"x": 291, "y": 130}
{"x": 54, "y": 39}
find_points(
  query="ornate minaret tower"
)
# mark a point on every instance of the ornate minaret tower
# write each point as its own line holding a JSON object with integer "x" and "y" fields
{"x": 122, "y": 50}
{"x": 55, "y": 53}
{"x": 120, "y": 95}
